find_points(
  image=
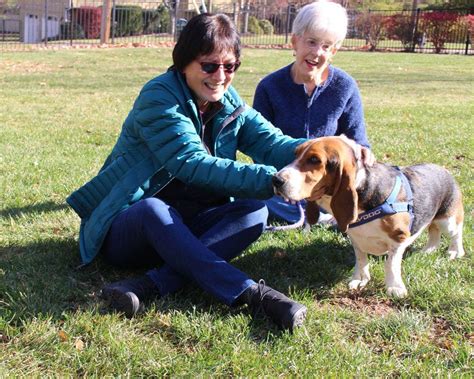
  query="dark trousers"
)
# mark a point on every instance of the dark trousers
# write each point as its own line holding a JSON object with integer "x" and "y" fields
{"x": 152, "y": 233}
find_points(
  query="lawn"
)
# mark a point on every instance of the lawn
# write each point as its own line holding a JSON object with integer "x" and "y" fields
{"x": 60, "y": 113}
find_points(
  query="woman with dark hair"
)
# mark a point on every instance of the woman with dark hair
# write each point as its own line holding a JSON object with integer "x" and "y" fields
{"x": 162, "y": 198}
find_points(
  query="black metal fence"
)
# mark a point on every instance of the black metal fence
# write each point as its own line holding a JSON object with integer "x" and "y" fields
{"x": 32, "y": 24}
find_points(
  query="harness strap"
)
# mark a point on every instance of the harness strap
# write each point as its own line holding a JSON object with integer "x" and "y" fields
{"x": 296, "y": 225}
{"x": 408, "y": 204}
{"x": 390, "y": 206}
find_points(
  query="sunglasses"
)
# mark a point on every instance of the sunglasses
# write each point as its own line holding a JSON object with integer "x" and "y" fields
{"x": 211, "y": 68}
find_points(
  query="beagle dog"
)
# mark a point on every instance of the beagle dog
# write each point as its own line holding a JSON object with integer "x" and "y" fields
{"x": 329, "y": 173}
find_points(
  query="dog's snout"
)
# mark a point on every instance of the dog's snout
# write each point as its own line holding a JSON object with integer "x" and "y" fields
{"x": 277, "y": 181}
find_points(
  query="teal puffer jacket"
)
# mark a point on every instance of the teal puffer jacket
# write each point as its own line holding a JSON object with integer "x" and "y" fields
{"x": 160, "y": 140}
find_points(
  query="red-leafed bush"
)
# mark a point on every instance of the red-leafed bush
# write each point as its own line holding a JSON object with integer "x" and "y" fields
{"x": 372, "y": 26}
{"x": 89, "y": 18}
{"x": 400, "y": 27}
{"x": 438, "y": 26}
{"x": 469, "y": 20}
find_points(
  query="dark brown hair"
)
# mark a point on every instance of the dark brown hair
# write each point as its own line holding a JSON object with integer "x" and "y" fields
{"x": 204, "y": 34}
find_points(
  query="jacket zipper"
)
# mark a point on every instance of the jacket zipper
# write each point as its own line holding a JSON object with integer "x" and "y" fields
{"x": 226, "y": 122}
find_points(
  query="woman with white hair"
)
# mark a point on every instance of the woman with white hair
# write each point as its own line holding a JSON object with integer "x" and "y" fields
{"x": 310, "y": 97}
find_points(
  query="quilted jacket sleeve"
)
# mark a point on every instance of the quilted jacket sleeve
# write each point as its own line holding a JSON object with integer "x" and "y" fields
{"x": 168, "y": 127}
{"x": 265, "y": 143}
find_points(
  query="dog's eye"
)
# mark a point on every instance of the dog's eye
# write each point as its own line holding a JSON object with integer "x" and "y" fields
{"x": 314, "y": 160}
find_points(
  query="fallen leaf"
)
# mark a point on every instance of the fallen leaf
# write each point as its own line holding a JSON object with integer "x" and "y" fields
{"x": 63, "y": 337}
{"x": 446, "y": 344}
{"x": 4, "y": 338}
{"x": 79, "y": 344}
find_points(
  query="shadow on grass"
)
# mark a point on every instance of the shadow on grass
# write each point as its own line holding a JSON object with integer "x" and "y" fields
{"x": 43, "y": 278}
{"x": 311, "y": 271}
{"x": 40, "y": 278}
{"x": 47, "y": 278}
{"x": 315, "y": 267}
{"x": 47, "y": 206}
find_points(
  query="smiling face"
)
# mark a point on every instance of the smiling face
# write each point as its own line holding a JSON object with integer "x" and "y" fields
{"x": 211, "y": 87}
{"x": 313, "y": 55}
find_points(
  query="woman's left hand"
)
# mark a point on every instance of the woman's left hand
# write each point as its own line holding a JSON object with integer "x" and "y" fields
{"x": 368, "y": 158}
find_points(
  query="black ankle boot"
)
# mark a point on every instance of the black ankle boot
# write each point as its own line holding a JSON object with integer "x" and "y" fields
{"x": 284, "y": 312}
{"x": 128, "y": 295}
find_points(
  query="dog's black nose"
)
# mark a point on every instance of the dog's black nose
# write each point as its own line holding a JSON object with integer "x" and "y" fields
{"x": 277, "y": 181}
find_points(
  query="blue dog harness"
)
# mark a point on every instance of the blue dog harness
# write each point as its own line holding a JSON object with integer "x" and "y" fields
{"x": 390, "y": 206}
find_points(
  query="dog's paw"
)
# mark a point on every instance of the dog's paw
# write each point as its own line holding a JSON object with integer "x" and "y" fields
{"x": 453, "y": 254}
{"x": 356, "y": 284}
{"x": 397, "y": 292}
{"x": 429, "y": 249}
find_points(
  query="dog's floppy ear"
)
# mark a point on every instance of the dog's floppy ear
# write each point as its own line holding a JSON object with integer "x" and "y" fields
{"x": 300, "y": 148}
{"x": 312, "y": 212}
{"x": 344, "y": 198}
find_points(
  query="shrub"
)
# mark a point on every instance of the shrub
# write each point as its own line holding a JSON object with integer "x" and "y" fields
{"x": 156, "y": 20}
{"x": 127, "y": 20}
{"x": 469, "y": 20}
{"x": 460, "y": 29}
{"x": 89, "y": 19}
{"x": 165, "y": 18}
{"x": 372, "y": 26}
{"x": 254, "y": 26}
{"x": 266, "y": 26}
{"x": 438, "y": 26}
{"x": 400, "y": 27}
{"x": 71, "y": 30}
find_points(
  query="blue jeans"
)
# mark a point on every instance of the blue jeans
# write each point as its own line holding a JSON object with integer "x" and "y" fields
{"x": 282, "y": 211}
{"x": 151, "y": 233}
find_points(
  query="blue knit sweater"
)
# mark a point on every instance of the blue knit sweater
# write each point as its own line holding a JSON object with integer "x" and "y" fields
{"x": 334, "y": 108}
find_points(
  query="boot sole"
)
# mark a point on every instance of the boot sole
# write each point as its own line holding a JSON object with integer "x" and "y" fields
{"x": 298, "y": 318}
{"x": 124, "y": 302}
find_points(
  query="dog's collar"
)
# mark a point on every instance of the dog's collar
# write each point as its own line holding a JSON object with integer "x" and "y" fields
{"x": 390, "y": 206}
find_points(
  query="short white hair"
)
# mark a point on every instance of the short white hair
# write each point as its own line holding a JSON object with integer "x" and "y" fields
{"x": 322, "y": 18}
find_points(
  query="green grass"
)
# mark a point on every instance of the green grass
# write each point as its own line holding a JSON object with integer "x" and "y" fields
{"x": 60, "y": 113}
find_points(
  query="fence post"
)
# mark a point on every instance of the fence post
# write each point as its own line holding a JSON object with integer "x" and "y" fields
{"x": 234, "y": 10}
{"x": 468, "y": 41}
{"x": 174, "y": 19}
{"x": 367, "y": 28}
{"x": 45, "y": 24}
{"x": 71, "y": 22}
{"x": 468, "y": 36}
{"x": 105, "y": 22}
{"x": 415, "y": 29}
{"x": 246, "y": 18}
{"x": 113, "y": 21}
{"x": 288, "y": 21}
